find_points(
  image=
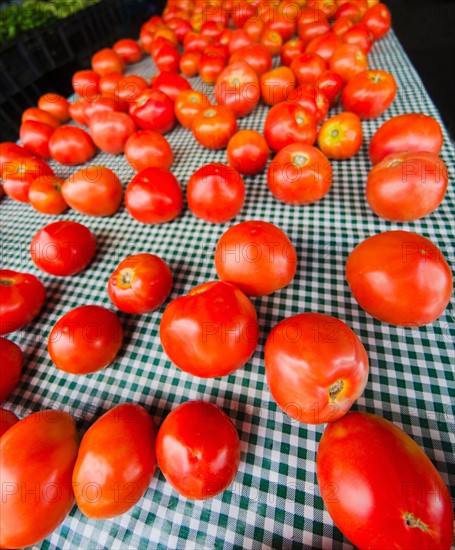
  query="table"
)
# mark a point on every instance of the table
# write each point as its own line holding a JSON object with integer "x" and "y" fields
{"x": 274, "y": 501}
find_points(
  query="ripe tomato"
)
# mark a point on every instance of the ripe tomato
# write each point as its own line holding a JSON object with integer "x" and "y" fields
{"x": 128, "y": 49}
{"x": 71, "y": 145}
{"x": 188, "y": 104}
{"x": 103, "y": 105}
{"x": 272, "y": 41}
{"x": 308, "y": 67}
{"x": 340, "y": 137}
{"x": 359, "y": 35}
{"x": 45, "y": 195}
{"x": 215, "y": 193}
{"x": 311, "y": 100}
{"x": 78, "y": 110}
{"x": 299, "y": 174}
{"x": 86, "y": 84}
{"x": 248, "y": 152}
{"x": 378, "y": 20}
{"x": 210, "y": 67}
{"x": 110, "y": 131}
{"x": 7, "y": 420}
{"x": 154, "y": 196}
{"x": 257, "y": 257}
{"x": 276, "y": 85}
{"x": 107, "y": 61}
{"x": 195, "y": 42}
{"x": 348, "y": 60}
{"x": 189, "y": 63}
{"x": 237, "y": 87}
{"x": 56, "y": 105}
{"x": 63, "y": 248}
{"x": 349, "y": 10}
{"x": 48, "y": 443}
{"x": 116, "y": 462}
{"x": 11, "y": 360}
{"x": 212, "y": 29}
{"x": 316, "y": 367}
{"x": 329, "y": 85}
{"x": 407, "y": 186}
{"x": 35, "y": 137}
{"x": 369, "y": 94}
{"x": 198, "y": 450}
{"x": 17, "y": 176}
{"x": 413, "y": 132}
{"x": 213, "y": 127}
{"x": 171, "y": 84}
{"x": 85, "y": 340}
{"x": 147, "y": 148}
{"x": 153, "y": 110}
{"x": 257, "y": 57}
{"x": 180, "y": 27}
{"x": 242, "y": 11}
{"x": 287, "y": 123}
{"x": 411, "y": 510}
{"x": 10, "y": 151}
{"x": 238, "y": 38}
{"x": 94, "y": 190}
{"x": 307, "y": 31}
{"x": 39, "y": 115}
{"x": 283, "y": 22}
{"x": 324, "y": 45}
{"x": 109, "y": 85}
{"x": 400, "y": 278}
{"x": 129, "y": 88}
{"x": 254, "y": 27}
{"x": 290, "y": 50}
{"x": 341, "y": 25}
{"x": 167, "y": 58}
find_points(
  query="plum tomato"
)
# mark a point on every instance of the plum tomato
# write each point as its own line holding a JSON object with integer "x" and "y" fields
{"x": 45, "y": 195}
{"x": 188, "y": 104}
{"x": 248, "y": 152}
{"x": 17, "y": 175}
{"x": 110, "y": 131}
{"x": 71, "y": 145}
{"x": 340, "y": 137}
{"x": 147, "y": 148}
{"x": 276, "y": 85}
{"x": 78, "y": 110}
{"x": 12, "y": 361}
{"x": 7, "y": 420}
{"x": 128, "y": 49}
{"x": 153, "y": 110}
{"x": 238, "y": 88}
{"x": 86, "y": 84}
{"x": 10, "y": 151}
{"x": 56, "y": 105}
{"x": 288, "y": 123}
{"x": 369, "y": 94}
{"x": 35, "y": 137}
{"x": 107, "y": 61}
{"x": 214, "y": 126}
{"x": 40, "y": 115}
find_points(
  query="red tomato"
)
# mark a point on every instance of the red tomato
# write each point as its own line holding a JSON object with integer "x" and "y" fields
{"x": 78, "y": 110}
{"x": 341, "y": 25}
{"x": 291, "y": 49}
{"x": 257, "y": 257}
{"x": 299, "y": 174}
{"x": 116, "y": 462}
{"x": 10, "y": 151}
{"x": 7, "y": 420}
{"x": 109, "y": 85}
{"x": 17, "y": 176}
{"x": 276, "y": 85}
{"x": 311, "y": 100}
{"x": 189, "y": 63}
{"x": 103, "y": 105}
{"x": 324, "y": 45}
{"x": 254, "y": 28}
{"x": 340, "y": 137}
{"x": 110, "y": 131}
{"x": 167, "y": 58}
{"x": 153, "y": 110}
{"x": 210, "y": 67}
{"x": 130, "y": 88}
{"x": 407, "y": 186}
{"x": 411, "y": 132}
{"x": 212, "y": 29}
{"x": 188, "y": 104}
{"x": 107, "y": 61}
{"x": 86, "y": 84}
{"x": 282, "y": 22}
{"x": 237, "y": 87}
{"x": 63, "y": 248}
{"x": 35, "y": 137}
{"x": 85, "y": 340}
{"x": 316, "y": 367}
{"x": 369, "y": 94}
{"x": 45, "y": 195}
{"x": 11, "y": 360}
{"x": 349, "y": 10}
{"x": 213, "y": 127}
{"x": 411, "y": 510}
{"x": 348, "y": 60}
{"x": 171, "y": 84}
{"x": 272, "y": 41}
{"x": 308, "y": 67}
{"x": 39, "y": 115}
{"x": 238, "y": 39}
{"x": 140, "y": 284}
{"x": 147, "y": 148}
{"x": 242, "y": 11}
{"x": 359, "y": 35}
{"x": 56, "y": 105}
{"x": 327, "y": 7}
{"x": 94, "y": 190}
{"x": 312, "y": 25}
{"x": 287, "y": 123}
{"x": 48, "y": 442}
{"x": 71, "y": 145}
{"x": 215, "y": 193}
{"x": 198, "y": 450}
{"x": 248, "y": 152}
{"x": 180, "y": 27}
{"x": 400, "y": 278}
{"x": 378, "y": 20}
{"x": 329, "y": 85}
{"x": 154, "y": 196}
{"x": 128, "y": 49}
{"x": 257, "y": 57}
{"x": 194, "y": 42}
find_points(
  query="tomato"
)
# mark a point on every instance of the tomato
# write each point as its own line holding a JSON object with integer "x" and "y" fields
{"x": 180, "y": 27}
{"x": 78, "y": 110}
{"x": 309, "y": 31}
{"x": 107, "y": 61}
{"x": 12, "y": 361}
{"x": 400, "y": 278}
{"x": 299, "y": 174}
{"x": 276, "y": 85}
{"x": 109, "y": 85}
{"x": 7, "y": 420}
{"x": 407, "y": 186}
{"x": 85, "y": 340}
{"x": 359, "y": 35}
{"x": 130, "y": 88}
{"x": 257, "y": 56}
{"x": 48, "y": 443}
{"x": 324, "y": 45}
{"x": 412, "y": 509}
{"x": 154, "y": 196}
{"x": 248, "y": 152}
{"x": 327, "y": 7}
{"x": 56, "y": 105}
{"x": 145, "y": 39}
{"x": 17, "y": 176}
{"x": 103, "y": 105}
{"x": 71, "y": 145}
{"x": 35, "y": 137}
{"x": 63, "y": 248}
{"x": 188, "y": 104}
{"x": 316, "y": 367}
{"x": 238, "y": 38}
{"x": 210, "y": 67}
{"x": 411, "y": 132}
{"x": 287, "y": 123}
{"x": 45, "y": 195}
{"x": 194, "y": 42}
{"x": 237, "y": 87}
{"x": 116, "y": 462}
{"x": 128, "y": 49}
{"x": 283, "y": 23}
{"x": 369, "y": 94}
{"x": 94, "y": 190}
{"x": 257, "y": 257}
{"x": 291, "y": 49}
{"x": 86, "y": 83}
{"x": 341, "y": 25}
{"x": 39, "y": 115}
{"x": 329, "y": 84}
{"x": 10, "y": 151}
{"x": 189, "y": 63}
{"x": 348, "y": 60}
{"x": 153, "y": 110}
{"x": 349, "y": 10}
{"x": 308, "y": 67}
{"x": 147, "y": 148}
{"x": 171, "y": 84}
{"x": 167, "y": 58}
{"x": 378, "y": 20}
{"x": 212, "y": 29}
{"x": 110, "y": 131}
{"x": 340, "y": 137}
{"x": 254, "y": 28}
{"x": 243, "y": 11}
{"x": 311, "y": 100}
{"x": 213, "y": 127}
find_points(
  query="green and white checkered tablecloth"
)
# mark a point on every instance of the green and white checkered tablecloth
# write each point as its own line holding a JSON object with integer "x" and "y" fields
{"x": 275, "y": 501}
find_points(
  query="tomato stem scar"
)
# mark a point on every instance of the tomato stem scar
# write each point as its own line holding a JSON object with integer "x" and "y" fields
{"x": 335, "y": 389}
{"x": 413, "y": 522}
{"x": 125, "y": 277}
{"x": 6, "y": 282}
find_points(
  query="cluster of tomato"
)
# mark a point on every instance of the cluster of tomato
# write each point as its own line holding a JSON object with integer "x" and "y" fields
{"x": 316, "y": 366}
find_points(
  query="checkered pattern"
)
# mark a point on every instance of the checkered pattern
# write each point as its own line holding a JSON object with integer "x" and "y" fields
{"x": 275, "y": 500}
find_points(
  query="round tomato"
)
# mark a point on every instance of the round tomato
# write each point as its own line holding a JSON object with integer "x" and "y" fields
{"x": 213, "y": 127}
{"x": 188, "y": 104}
{"x": 110, "y": 131}
{"x": 7, "y": 420}
{"x": 48, "y": 443}
{"x": 39, "y": 115}
{"x": 153, "y": 110}
{"x": 140, "y": 284}
{"x": 308, "y": 67}
{"x": 369, "y": 94}
{"x": 210, "y": 67}
{"x": 341, "y": 26}
{"x": 130, "y": 87}
{"x": 254, "y": 27}
{"x": 11, "y": 360}
{"x": 324, "y": 45}
{"x": 189, "y": 63}
{"x": 116, "y": 462}
{"x": 329, "y": 86}
{"x": 95, "y": 191}
{"x": 237, "y": 87}
{"x": 102, "y": 105}
{"x": 257, "y": 57}
{"x": 212, "y": 29}
{"x": 405, "y": 187}
{"x": 180, "y": 27}
{"x": 400, "y": 278}
{"x": 198, "y": 450}
{"x": 347, "y": 61}
{"x": 171, "y": 84}
{"x": 56, "y": 105}
{"x": 359, "y": 35}
{"x": 107, "y": 61}
{"x": 257, "y": 257}
{"x": 340, "y": 137}
{"x": 238, "y": 39}
{"x": 290, "y": 50}
{"x": 378, "y": 20}
{"x": 109, "y": 85}
{"x": 71, "y": 145}
{"x": 167, "y": 58}
{"x": 307, "y": 31}
{"x": 85, "y": 340}
{"x": 147, "y": 148}
{"x": 154, "y": 196}
{"x": 78, "y": 110}
{"x": 17, "y": 176}
{"x": 349, "y": 10}
{"x": 195, "y": 42}
{"x": 86, "y": 84}
{"x": 380, "y": 488}
{"x": 413, "y": 132}
{"x": 316, "y": 367}
{"x": 35, "y": 137}
{"x": 276, "y": 85}
{"x": 63, "y": 248}
{"x": 311, "y": 100}
{"x": 288, "y": 123}
{"x": 248, "y": 152}
{"x": 45, "y": 195}
{"x": 9, "y": 152}
{"x": 272, "y": 41}
{"x": 128, "y": 49}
